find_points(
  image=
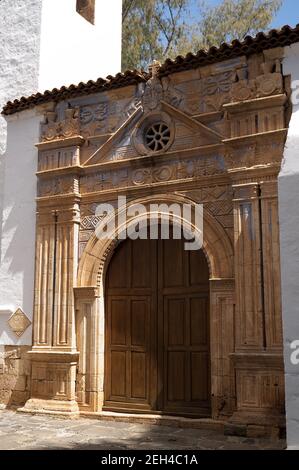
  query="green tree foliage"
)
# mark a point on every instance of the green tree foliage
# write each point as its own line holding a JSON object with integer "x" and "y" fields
{"x": 157, "y": 29}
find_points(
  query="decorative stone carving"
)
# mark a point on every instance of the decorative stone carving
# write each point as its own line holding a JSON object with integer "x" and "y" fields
{"x": 61, "y": 185}
{"x": 148, "y": 122}
{"x": 161, "y": 173}
{"x": 65, "y": 157}
{"x": 153, "y": 92}
{"x": 269, "y": 84}
{"x": 157, "y": 90}
{"x": 98, "y": 113}
{"x": 90, "y": 222}
{"x": 19, "y": 322}
{"x": 226, "y": 126}
{"x": 242, "y": 90}
{"x": 68, "y": 127}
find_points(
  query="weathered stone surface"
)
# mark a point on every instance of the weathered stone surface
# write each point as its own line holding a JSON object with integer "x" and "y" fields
{"x": 235, "y": 430}
{"x": 44, "y": 432}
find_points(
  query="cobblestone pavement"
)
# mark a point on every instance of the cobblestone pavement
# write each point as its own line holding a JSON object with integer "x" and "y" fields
{"x": 36, "y": 432}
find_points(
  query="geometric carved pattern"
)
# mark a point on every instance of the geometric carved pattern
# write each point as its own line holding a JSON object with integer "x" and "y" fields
{"x": 19, "y": 322}
{"x": 90, "y": 222}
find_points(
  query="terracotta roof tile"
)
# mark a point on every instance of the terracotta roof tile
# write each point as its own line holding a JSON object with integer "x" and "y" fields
{"x": 250, "y": 45}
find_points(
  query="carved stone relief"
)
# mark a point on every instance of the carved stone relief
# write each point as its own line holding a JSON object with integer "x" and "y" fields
{"x": 53, "y": 129}
{"x": 51, "y": 159}
{"x": 19, "y": 322}
{"x": 218, "y": 164}
{"x": 61, "y": 185}
{"x": 161, "y": 173}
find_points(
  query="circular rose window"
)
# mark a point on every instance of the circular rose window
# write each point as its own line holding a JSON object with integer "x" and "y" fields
{"x": 157, "y": 137}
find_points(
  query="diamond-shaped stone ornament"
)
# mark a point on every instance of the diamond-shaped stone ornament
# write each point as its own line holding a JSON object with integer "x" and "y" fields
{"x": 19, "y": 322}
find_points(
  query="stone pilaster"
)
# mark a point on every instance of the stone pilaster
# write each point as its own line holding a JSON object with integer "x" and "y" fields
{"x": 248, "y": 268}
{"x": 54, "y": 355}
{"x": 271, "y": 266}
{"x": 222, "y": 345}
{"x": 90, "y": 343}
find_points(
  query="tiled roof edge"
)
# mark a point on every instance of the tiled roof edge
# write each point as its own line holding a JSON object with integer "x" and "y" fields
{"x": 250, "y": 45}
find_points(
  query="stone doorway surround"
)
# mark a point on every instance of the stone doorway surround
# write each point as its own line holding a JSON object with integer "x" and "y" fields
{"x": 228, "y": 159}
{"x": 90, "y": 297}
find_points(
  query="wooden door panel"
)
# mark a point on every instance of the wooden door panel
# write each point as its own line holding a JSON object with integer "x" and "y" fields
{"x": 175, "y": 377}
{"x": 140, "y": 322}
{"x": 118, "y": 322}
{"x": 199, "y": 322}
{"x": 175, "y": 322}
{"x": 117, "y": 278}
{"x": 118, "y": 375}
{"x": 198, "y": 269}
{"x": 141, "y": 264}
{"x": 199, "y": 377}
{"x": 186, "y": 358}
{"x": 139, "y": 375}
{"x": 157, "y": 329}
{"x": 128, "y": 355}
{"x": 172, "y": 257}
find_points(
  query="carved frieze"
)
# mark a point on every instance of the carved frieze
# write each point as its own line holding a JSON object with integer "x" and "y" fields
{"x": 52, "y": 159}
{"x": 53, "y": 129}
{"x": 58, "y": 185}
{"x": 160, "y": 173}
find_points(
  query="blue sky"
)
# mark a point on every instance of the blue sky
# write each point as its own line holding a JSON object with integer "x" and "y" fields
{"x": 288, "y": 14}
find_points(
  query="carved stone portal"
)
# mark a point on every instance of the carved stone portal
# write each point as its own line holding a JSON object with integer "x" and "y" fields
{"x": 226, "y": 127}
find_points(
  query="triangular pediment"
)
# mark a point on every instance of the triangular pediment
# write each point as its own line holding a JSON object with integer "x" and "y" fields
{"x": 185, "y": 132}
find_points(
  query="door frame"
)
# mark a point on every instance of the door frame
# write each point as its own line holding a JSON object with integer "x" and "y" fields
{"x": 90, "y": 297}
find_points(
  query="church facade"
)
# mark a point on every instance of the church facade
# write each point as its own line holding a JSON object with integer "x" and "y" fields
{"x": 143, "y": 327}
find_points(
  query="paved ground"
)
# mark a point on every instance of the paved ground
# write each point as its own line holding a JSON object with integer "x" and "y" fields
{"x": 24, "y": 432}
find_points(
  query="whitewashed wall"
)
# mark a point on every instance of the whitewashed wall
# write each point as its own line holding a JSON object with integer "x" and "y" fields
{"x": 289, "y": 241}
{"x": 74, "y": 50}
{"x": 43, "y": 44}
{"x": 18, "y": 222}
{"x": 19, "y": 69}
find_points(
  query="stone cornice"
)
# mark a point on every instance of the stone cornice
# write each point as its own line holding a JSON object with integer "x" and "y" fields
{"x": 61, "y": 143}
{"x": 256, "y": 103}
{"x": 253, "y": 138}
{"x": 253, "y": 360}
{"x": 86, "y": 293}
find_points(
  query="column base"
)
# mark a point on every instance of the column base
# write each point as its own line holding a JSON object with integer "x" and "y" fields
{"x": 53, "y": 383}
{"x": 57, "y": 407}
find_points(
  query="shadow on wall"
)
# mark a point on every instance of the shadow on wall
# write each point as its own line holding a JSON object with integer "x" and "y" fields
{"x": 17, "y": 214}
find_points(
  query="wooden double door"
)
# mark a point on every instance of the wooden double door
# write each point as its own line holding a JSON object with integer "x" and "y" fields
{"x": 157, "y": 329}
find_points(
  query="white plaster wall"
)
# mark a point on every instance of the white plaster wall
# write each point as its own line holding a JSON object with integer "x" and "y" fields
{"x": 18, "y": 223}
{"x": 20, "y": 22}
{"x": 19, "y": 52}
{"x": 74, "y": 50}
{"x": 43, "y": 44}
{"x": 289, "y": 241}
